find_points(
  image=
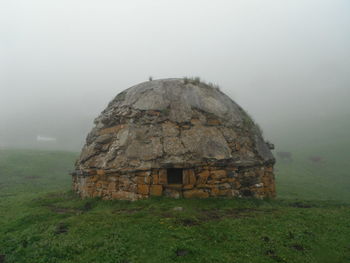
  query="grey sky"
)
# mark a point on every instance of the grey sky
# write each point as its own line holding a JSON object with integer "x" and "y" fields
{"x": 61, "y": 62}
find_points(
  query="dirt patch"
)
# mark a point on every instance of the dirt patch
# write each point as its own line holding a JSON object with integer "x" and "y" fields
{"x": 188, "y": 222}
{"x": 181, "y": 252}
{"x": 70, "y": 210}
{"x": 298, "y": 247}
{"x": 301, "y": 205}
{"x": 61, "y": 229}
{"x": 87, "y": 206}
{"x": 209, "y": 215}
{"x": 2, "y": 258}
{"x": 64, "y": 210}
{"x": 127, "y": 211}
{"x": 167, "y": 215}
{"x": 265, "y": 239}
{"x": 215, "y": 214}
{"x": 243, "y": 212}
{"x": 272, "y": 254}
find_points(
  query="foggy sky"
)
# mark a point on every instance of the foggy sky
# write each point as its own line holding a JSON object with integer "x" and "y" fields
{"x": 286, "y": 62}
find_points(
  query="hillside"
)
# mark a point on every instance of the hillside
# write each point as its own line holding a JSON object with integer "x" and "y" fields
{"x": 327, "y": 179}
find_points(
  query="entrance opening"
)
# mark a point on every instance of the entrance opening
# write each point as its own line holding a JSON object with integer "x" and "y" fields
{"x": 174, "y": 176}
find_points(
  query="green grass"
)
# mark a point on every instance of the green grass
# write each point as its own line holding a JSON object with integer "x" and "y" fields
{"x": 327, "y": 180}
{"x": 42, "y": 221}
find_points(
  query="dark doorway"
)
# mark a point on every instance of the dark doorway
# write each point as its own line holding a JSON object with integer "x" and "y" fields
{"x": 174, "y": 176}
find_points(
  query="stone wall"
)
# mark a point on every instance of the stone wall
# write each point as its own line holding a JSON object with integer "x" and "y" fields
{"x": 198, "y": 182}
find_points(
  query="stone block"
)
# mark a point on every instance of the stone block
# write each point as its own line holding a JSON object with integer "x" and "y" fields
{"x": 202, "y": 177}
{"x": 93, "y": 178}
{"x": 124, "y": 195}
{"x": 105, "y": 185}
{"x": 148, "y": 179}
{"x": 155, "y": 178}
{"x": 143, "y": 189}
{"x": 231, "y": 180}
{"x": 173, "y": 146}
{"x": 218, "y": 174}
{"x": 188, "y": 186}
{"x": 112, "y": 186}
{"x": 269, "y": 169}
{"x": 231, "y": 174}
{"x": 126, "y": 184}
{"x": 101, "y": 172}
{"x": 195, "y": 193}
{"x": 213, "y": 182}
{"x": 135, "y": 163}
{"x": 112, "y": 178}
{"x": 113, "y": 129}
{"x": 143, "y": 179}
{"x": 139, "y": 149}
{"x": 224, "y": 186}
{"x": 143, "y": 173}
{"x": 140, "y": 180}
{"x": 170, "y": 129}
{"x": 96, "y": 194}
{"x": 163, "y": 176}
{"x": 238, "y": 147}
{"x": 92, "y": 172}
{"x": 266, "y": 180}
{"x": 99, "y": 184}
{"x": 189, "y": 177}
{"x": 192, "y": 177}
{"x": 213, "y": 122}
{"x": 195, "y": 122}
{"x": 153, "y": 113}
{"x": 204, "y": 186}
{"x": 172, "y": 193}
{"x": 224, "y": 180}
{"x": 232, "y": 193}
{"x": 224, "y": 192}
{"x": 214, "y": 191}
{"x": 174, "y": 186}
{"x": 156, "y": 190}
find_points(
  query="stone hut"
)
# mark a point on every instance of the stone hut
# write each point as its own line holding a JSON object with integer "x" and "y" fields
{"x": 177, "y": 138}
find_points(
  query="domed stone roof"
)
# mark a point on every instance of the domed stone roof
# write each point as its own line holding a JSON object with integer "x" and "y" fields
{"x": 173, "y": 123}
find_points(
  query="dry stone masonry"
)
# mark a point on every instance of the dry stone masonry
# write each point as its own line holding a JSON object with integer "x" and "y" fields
{"x": 176, "y": 138}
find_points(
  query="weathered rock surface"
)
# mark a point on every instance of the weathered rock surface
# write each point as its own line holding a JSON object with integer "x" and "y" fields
{"x": 157, "y": 121}
{"x": 171, "y": 123}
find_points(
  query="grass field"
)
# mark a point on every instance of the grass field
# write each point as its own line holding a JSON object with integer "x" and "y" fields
{"x": 327, "y": 180}
{"x": 42, "y": 221}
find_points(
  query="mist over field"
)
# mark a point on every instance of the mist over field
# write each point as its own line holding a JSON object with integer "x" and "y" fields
{"x": 286, "y": 62}
{"x": 151, "y": 189}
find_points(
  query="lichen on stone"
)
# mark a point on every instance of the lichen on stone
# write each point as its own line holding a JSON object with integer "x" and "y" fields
{"x": 182, "y": 123}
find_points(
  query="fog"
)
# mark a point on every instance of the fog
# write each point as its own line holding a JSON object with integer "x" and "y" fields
{"x": 286, "y": 62}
